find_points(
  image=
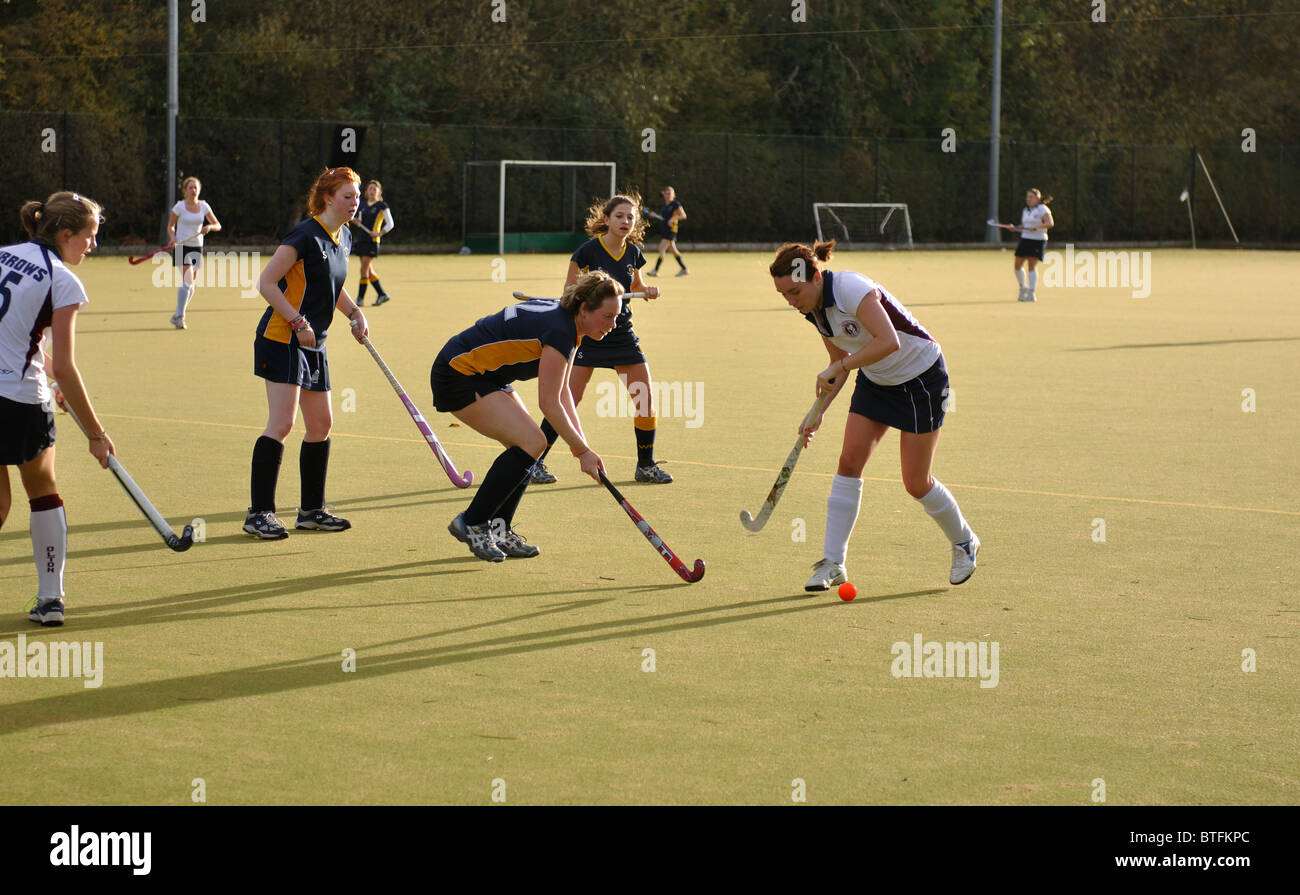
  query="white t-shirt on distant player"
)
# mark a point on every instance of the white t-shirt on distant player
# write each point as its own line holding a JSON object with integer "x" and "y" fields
{"x": 1031, "y": 219}
{"x": 189, "y": 223}
{"x": 917, "y": 349}
{"x": 27, "y": 308}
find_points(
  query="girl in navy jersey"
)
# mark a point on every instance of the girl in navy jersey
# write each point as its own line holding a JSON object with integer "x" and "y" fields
{"x": 901, "y": 383}
{"x": 191, "y": 219}
{"x": 666, "y": 220}
{"x": 1035, "y": 221}
{"x": 39, "y": 291}
{"x": 616, "y": 230}
{"x": 374, "y": 219}
{"x": 304, "y": 285}
{"x": 471, "y": 380}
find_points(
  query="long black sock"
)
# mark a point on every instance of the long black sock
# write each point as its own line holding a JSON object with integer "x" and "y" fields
{"x": 361, "y": 292}
{"x": 645, "y": 446}
{"x": 508, "y": 470}
{"x": 549, "y": 431}
{"x": 507, "y": 509}
{"x": 680, "y": 262}
{"x": 659, "y": 261}
{"x": 380, "y": 289}
{"x": 313, "y": 463}
{"x": 266, "y": 471}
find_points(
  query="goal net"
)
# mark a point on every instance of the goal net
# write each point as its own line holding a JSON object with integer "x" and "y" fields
{"x": 531, "y": 205}
{"x": 864, "y": 225}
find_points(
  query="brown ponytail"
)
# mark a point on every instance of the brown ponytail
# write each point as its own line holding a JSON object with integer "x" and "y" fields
{"x": 62, "y": 211}
{"x": 785, "y": 262}
{"x": 590, "y": 291}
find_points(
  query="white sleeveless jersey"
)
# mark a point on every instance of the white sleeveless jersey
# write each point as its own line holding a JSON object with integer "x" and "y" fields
{"x": 1033, "y": 218}
{"x": 27, "y": 307}
{"x": 189, "y": 223}
{"x": 837, "y": 320}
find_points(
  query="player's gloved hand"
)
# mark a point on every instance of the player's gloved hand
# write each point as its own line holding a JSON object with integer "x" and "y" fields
{"x": 590, "y": 462}
{"x": 360, "y": 328}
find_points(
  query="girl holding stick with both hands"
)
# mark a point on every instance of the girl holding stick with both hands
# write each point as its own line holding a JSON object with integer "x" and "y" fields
{"x": 1035, "y": 221}
{"x": 471, "y": 379}
{"x": 616, "y": 231}
{"x": 901, "y": 383}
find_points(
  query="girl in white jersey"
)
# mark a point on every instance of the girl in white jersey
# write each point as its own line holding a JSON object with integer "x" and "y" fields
{"x": 191, "y": 219}
{"x": 901, "y": 383}
{"x": 1035, "y": 221}
{"x": 37, "y": 290}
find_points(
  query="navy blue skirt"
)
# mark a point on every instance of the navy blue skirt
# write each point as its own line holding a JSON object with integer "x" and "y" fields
{"x": 912, "y": 406}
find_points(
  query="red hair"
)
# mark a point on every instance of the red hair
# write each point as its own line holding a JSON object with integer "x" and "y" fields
{"x": 327, "y": 185}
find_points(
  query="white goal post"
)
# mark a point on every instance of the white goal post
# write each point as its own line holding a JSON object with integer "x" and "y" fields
{"x": 535, "y": 163}
{"x": 837, "y": 227}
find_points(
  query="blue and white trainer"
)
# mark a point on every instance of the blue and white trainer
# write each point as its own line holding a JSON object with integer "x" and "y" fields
{"x": 963, "y": 560}
{"x": 48, "y": 613}
{"x": 478, "y": 537}
{"x": 319, "y": 520}
{"x": 265, "y": 525}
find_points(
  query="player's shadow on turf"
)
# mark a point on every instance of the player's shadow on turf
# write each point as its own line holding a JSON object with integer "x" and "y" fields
{"x": 318, "y": 671}
{"x": 218, "y": 603}
{"x": 1189, "y": 344}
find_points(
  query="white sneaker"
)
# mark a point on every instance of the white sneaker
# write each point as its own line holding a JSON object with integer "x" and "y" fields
{"x": 652, "y": 273}
{"x": 178, "y": 321}
{"x": 963, "y": 559}
{"x": 1026, "y": 294}
{"x": 826, "y": 574}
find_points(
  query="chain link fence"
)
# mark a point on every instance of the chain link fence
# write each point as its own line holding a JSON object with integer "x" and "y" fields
{"x": 739, "y": 189}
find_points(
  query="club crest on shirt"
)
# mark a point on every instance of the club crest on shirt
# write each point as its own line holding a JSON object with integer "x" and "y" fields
{"x": 851, "y": 328}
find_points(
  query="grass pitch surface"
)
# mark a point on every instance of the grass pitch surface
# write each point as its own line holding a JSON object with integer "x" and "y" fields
{"x": 1090, "y": 413}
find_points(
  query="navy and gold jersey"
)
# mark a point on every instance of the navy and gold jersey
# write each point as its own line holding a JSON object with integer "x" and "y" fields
{"x": 507, "y": 346}
{"x": 594, "y": 255}
{"x": 313, "y": 284}
{"x": 376, "y": 217}
{"x": 668, "y": 225}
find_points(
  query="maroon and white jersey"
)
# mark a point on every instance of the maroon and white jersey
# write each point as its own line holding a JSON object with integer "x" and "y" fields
{"x": 27, "y": 306}
{"x": 837, "y": 320}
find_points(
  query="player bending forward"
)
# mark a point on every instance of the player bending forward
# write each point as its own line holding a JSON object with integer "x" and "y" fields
{"x": 902, "y": 383}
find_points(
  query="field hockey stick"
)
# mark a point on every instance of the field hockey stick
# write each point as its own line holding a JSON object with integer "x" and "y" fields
{"x": 783, "y": 477}
{"x": 457, "y": 479}
{"x": 519, "y": 296}
{"x": 133, "y": 259}
{"x": 993, "y": 223}
{"x": 688, "y": 575}
{"x": 179, "y": 544}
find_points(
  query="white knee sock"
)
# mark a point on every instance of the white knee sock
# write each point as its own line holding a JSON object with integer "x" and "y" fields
{"x": 943, "y": 509}
{"x": 183, "y": 295}
{"x": 1020, "y": 276}
{"x": 841, "y": 513}
{"x": 49, "y": 527}
{"x": 1033, "y": 280}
